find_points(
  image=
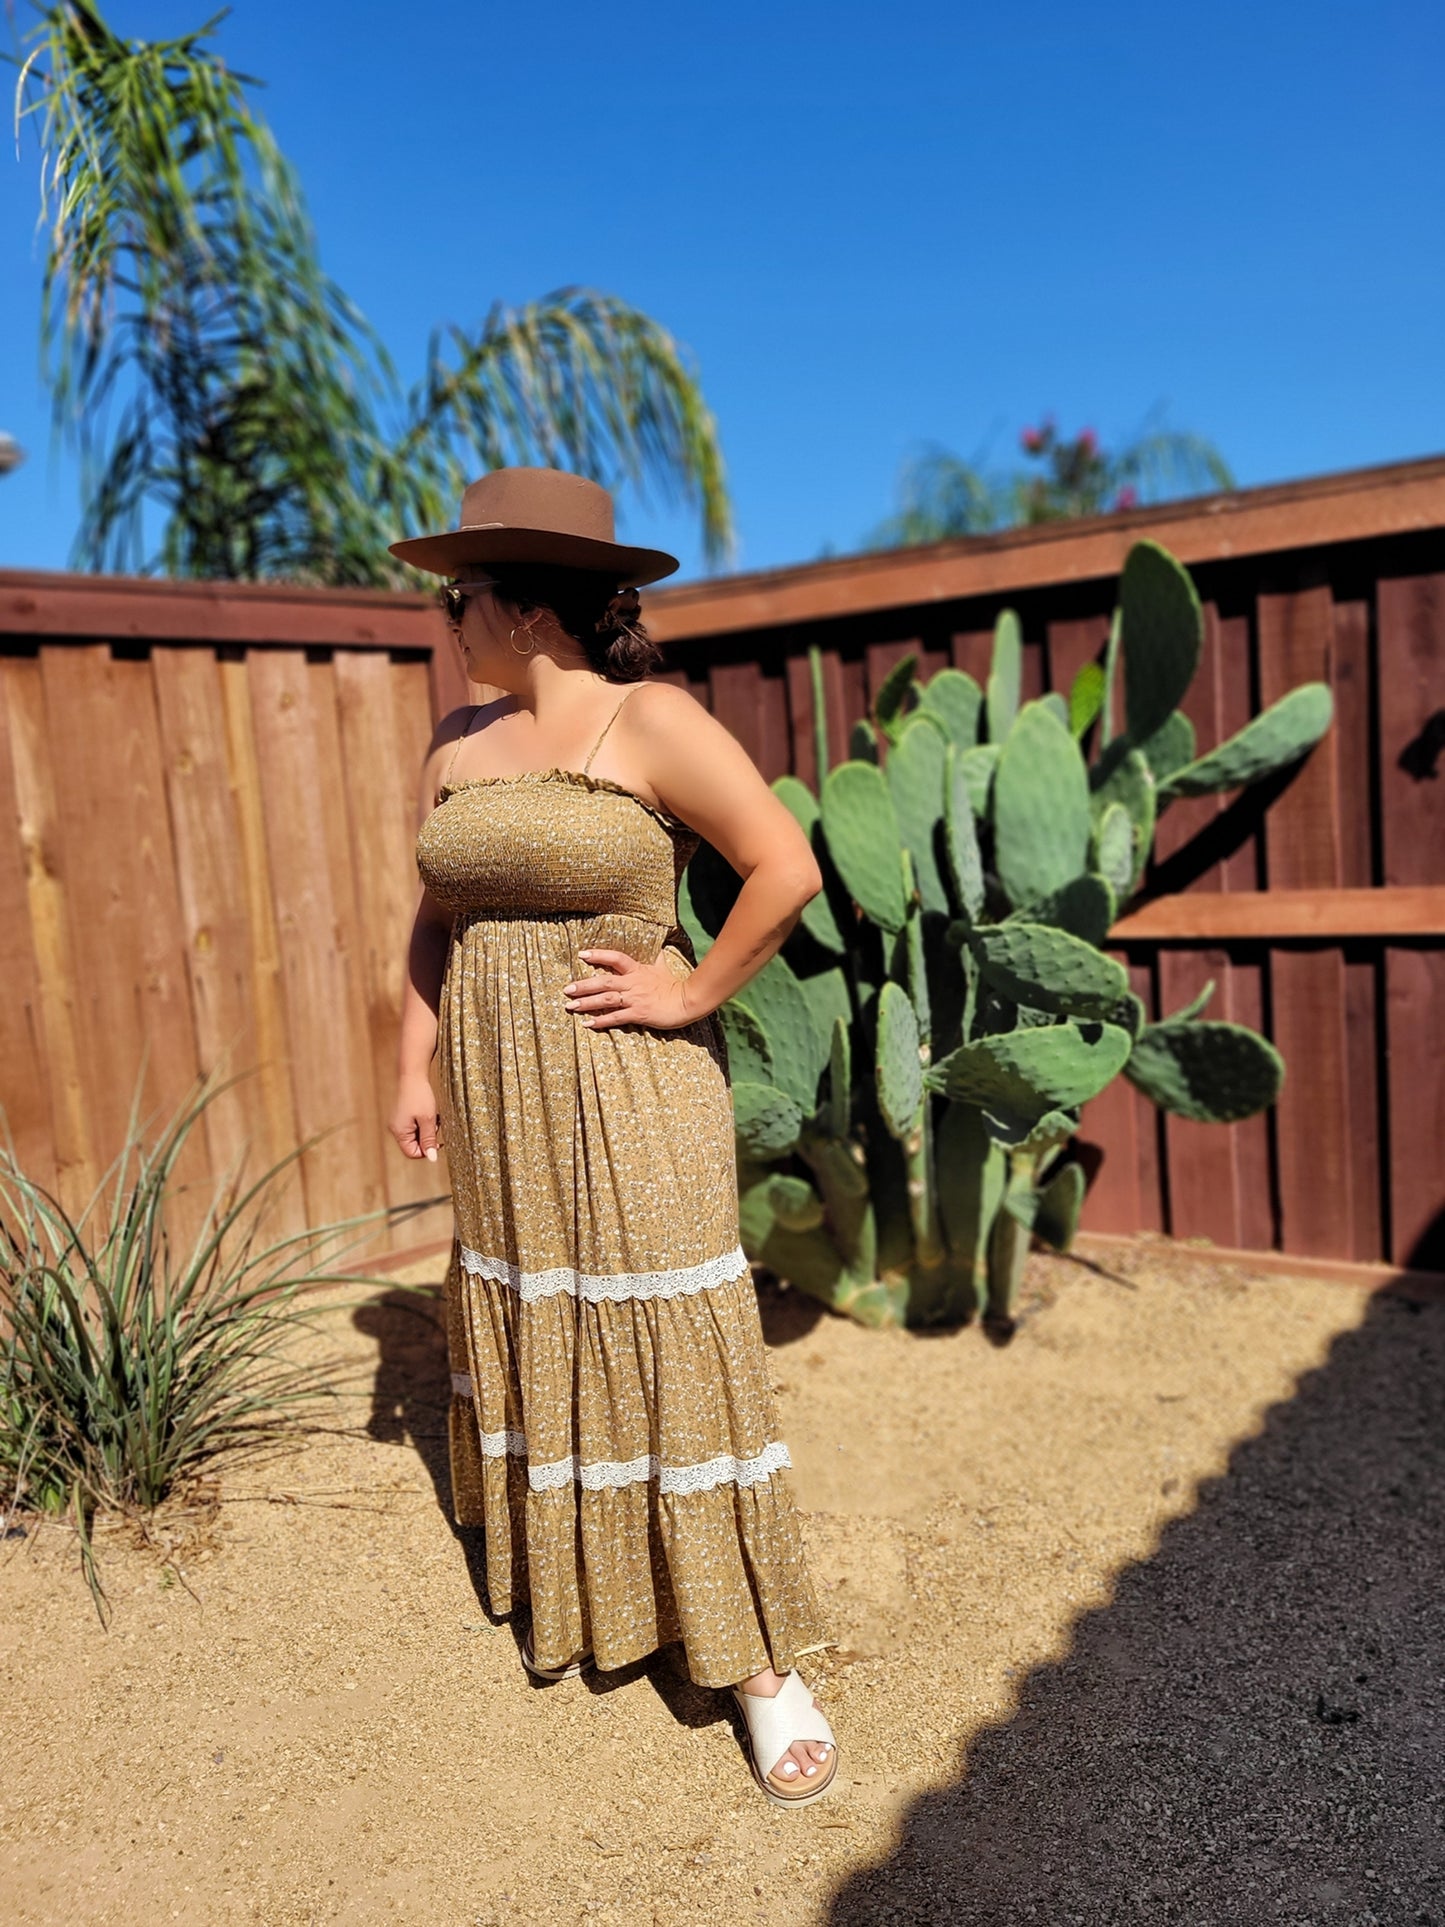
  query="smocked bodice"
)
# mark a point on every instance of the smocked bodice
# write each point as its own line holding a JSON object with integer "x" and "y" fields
{"x": 552, "y": 842}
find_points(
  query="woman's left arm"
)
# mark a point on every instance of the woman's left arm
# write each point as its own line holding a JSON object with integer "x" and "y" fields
{"x": 704, "y": 776}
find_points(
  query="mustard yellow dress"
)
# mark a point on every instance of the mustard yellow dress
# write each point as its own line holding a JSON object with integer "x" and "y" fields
{"x": 612, "y": 1425}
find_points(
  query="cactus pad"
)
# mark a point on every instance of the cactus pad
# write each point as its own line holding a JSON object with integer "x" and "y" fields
{"x": 1085, "y": 907}
{"x": 1005, "y": 677}
{"x": 889, "y": 705}
{"x": 1021, "y": 1075}
{"x": 1040, "y": 808}
{"x": 960, "y": 829}
{"x": 766, "y": 1119}
{"x": 1214, "y": 1072}
{"x": 1272, "y": 741}
{"x": 976, "y": 770}
{"x": 957, "y": 701}
{"x": 915, "y": 780}
{"x": 897, "y": 1066}
{"x": 1170, "y": 748}
{"x": 1163, "y": 633}
{"x": 1114, "y": 848}
{"x": 1056, "y": 1218}
{"x": 797, "y": 1045}
{"x": 1086, "y": 697}
{"x": 1049, "y": 969}
{"x": 861, "y": 828}
{"x": 1122, "y": 776}
{"x": 748, "y": 1055}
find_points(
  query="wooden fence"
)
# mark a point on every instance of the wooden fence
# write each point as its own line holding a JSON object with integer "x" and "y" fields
{"x": 213, "y": 793}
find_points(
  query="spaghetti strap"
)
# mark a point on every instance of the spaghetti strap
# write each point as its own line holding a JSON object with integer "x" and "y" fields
{"x": 461, "y": 738}
{"x": 605, "y": 727}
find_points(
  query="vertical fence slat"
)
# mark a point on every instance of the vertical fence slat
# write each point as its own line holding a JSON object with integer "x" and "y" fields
{"x": 1072, "y": 644}
{"x": 448, "y": 678}
{"x": 211, "y": 888}
{"x": 1411, "y": 614}
{"x": 1351, "y": 743}
{"x": 1206, "y": 1175}
{"x": 119, "y": 875}
{"x": 802, "y": 749}
{"x": 1126, "y": 1192}
{"x": 50, "y": 931}
{"x": 265, "y": 990}
{"x": 1415, "y": 1026}
{"x": 775, "y": 750}
{"x": 412, "y": 711}
{"x": 972, "y": 652}
{"x": 378, "y": 789}
{"x": 737, "y": 703}
{"x": 1234, "y": 705}
{"x": 328, "y": 1085}
{"x": 1146, "y": 1114}
{"x": 24, "y": 1089}
{"x": 1253, "y": 1138}
{"x": 348, "y": 856}
{"x": 1296, "y": 633}
{"x": 1203, "y": 1179}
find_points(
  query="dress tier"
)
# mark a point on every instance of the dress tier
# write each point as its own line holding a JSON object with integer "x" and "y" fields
{"x": 612, "y": 1424}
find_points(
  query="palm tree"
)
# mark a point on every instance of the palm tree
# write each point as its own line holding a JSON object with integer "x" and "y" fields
{"x": 941, "y": 495}
{"x": 206, "y": 367}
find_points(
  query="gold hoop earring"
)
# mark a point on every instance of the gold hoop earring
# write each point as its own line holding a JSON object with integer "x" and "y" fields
{"x": 512, "y": 638}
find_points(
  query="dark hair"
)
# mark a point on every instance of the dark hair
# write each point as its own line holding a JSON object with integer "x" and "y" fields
{"x": 591, "y": 609}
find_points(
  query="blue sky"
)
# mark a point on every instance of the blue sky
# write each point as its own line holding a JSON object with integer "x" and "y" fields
{"x": 874, "y": 227}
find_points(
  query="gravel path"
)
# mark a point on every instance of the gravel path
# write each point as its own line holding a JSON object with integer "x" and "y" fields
{"x": 1139, "y": 1619}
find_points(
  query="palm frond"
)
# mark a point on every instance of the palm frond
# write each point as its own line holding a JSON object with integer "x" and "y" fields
{"x": 1165, "y": 464}
{"x": 576, "y": 380}
{"x": 207, "y": 368}
{"x": 940, "y": 495}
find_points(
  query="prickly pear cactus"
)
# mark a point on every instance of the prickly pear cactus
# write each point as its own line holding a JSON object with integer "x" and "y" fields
{"x": 909, "y": 1071}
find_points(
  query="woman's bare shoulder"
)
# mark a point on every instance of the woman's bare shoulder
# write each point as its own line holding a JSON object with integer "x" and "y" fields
{"x": 667, "y": 706}
{"x": 465, "y": 720}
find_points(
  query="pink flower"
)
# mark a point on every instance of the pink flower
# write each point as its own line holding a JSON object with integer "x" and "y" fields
{"x": 1088, "y": 441}
{"x": 1032, "y": 441}
{"x": 1127, "y": 498}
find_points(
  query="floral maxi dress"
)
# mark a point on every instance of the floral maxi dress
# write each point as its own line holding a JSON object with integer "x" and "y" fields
{"x": 612, "y": 1425}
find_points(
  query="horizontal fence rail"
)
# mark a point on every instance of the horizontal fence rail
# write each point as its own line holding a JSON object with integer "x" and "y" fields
{"x": 211, "y": 798}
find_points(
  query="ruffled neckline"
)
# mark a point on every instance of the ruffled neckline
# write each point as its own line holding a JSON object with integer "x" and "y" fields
{"x": 579, "y": 778}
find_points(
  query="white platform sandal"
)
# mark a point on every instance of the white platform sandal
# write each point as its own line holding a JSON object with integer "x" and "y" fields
{"x": 571, "y": 1671}
{"x": 774, "y": 1724}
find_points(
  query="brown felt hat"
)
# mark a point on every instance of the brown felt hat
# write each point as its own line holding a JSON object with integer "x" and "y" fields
{"x": 536, "y": 515}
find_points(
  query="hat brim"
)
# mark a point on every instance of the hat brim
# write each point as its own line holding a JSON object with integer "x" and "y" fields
{"x": 444, "y": 554}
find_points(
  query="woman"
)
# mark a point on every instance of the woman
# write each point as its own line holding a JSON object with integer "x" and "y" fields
{"x": 612, "y": 1425}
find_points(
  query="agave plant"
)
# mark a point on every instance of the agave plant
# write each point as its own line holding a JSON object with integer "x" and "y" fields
{"x": 909, "y": 1070}
{"x": 129, "y": 1363}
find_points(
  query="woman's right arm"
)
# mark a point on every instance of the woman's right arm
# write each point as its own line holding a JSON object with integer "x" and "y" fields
{"x": 414, "y": 1120}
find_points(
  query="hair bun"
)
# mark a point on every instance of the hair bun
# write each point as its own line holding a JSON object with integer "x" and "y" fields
{"x": 623, "y": 612}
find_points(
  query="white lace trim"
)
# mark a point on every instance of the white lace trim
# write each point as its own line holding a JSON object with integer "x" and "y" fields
{"x": 597, "y": 1288}
{"x": 611, "y": 1475}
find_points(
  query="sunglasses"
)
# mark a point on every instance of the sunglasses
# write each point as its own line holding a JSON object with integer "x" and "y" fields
{"x": 453, "y": 598}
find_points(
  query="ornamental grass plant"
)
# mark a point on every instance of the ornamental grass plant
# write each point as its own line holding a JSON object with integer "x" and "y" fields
{"x": 131, "y": 1358}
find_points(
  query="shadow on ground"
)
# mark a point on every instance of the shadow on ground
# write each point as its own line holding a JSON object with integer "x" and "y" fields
{"x": 1254, "y": 1729}
{"x": 409, "y": 1399}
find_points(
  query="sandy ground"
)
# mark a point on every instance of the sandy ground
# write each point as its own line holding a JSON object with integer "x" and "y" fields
{"x": 1139, "y": 1619}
